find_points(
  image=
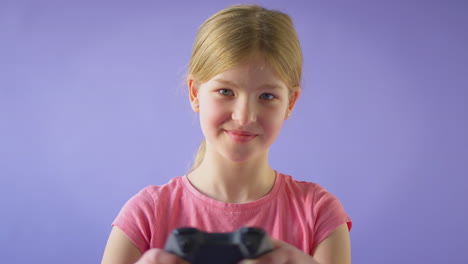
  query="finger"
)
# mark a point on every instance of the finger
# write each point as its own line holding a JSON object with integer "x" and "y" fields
{"x": 159, "y": 256}
{"x": 277, "y": 256}
{"x": 278, "y": 243}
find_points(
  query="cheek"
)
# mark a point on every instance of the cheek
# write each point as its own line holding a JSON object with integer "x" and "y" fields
{"x": 275, "y": 127}
{"x": 272, "y": 126}
{"x": 211, "y": 115}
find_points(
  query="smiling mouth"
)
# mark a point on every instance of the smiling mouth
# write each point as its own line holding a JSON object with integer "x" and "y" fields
{"x": 241, "y": 136}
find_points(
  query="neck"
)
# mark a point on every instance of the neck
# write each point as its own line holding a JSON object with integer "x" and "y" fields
{"x": 233, "y": 182}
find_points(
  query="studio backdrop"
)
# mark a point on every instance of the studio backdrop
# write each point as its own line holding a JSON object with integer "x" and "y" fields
{"x": 94, "y": 107}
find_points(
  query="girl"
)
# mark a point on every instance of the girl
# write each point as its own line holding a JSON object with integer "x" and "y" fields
{"x": 244, "y": 80}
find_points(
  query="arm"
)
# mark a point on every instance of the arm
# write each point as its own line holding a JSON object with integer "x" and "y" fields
{"x": 335, "y": 249}
{"x": 120, "y": 249}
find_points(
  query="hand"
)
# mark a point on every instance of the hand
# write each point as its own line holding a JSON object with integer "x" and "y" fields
{"x": 159, "y": 256}
{"x": 283, "y": 253}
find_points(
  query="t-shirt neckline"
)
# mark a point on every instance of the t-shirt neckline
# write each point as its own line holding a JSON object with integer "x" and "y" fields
{"x": 234, "y": 206}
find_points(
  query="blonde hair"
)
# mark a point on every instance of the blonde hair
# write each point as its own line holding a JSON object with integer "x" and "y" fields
{"x": 235, "y": 34}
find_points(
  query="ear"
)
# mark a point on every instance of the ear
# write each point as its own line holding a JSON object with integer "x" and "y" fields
{"x": 292, "y": 101}
{"x": 193, "y": 93}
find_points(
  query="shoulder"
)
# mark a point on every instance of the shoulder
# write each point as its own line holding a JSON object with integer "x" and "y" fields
{"x": 164, "y": 189}
{"x": 150, "y": 195}
{"x": 311, "y": 194}
{"x": 304, "y": 189}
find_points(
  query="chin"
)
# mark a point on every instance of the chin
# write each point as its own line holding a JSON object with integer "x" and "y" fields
{"x": 242, "y": 157}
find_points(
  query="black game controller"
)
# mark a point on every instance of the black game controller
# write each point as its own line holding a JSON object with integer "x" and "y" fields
{"x": 199, "y": 247}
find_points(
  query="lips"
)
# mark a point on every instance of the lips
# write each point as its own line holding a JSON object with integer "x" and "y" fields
{"x": 241, "y": 136}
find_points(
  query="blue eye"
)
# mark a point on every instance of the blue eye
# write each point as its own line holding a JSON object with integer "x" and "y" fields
{"x": 225, "y": 92}
{"x": 267, "y": 96}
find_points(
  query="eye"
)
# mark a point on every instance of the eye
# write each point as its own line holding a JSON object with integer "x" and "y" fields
{"x": 267, "y": 96}
{"x": 225, "y": 92}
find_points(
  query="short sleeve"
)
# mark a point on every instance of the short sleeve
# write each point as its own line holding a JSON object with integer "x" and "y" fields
{"x": 329, "y": 214}
{"x": 135, "y": 219}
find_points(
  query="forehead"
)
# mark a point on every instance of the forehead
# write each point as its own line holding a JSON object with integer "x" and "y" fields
{"x": 255, "y": 72}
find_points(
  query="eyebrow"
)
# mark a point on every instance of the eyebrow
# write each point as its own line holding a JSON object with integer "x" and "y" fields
{"x": 263, "y": 86}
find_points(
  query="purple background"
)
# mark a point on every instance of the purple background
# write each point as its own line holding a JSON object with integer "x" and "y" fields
{"x": 93, "y": 108}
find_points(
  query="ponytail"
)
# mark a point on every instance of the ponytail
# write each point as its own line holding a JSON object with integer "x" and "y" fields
{"x": 200, "y": 155}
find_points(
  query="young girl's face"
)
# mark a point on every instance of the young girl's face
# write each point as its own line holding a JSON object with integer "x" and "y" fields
{"x": 242, "y": 110}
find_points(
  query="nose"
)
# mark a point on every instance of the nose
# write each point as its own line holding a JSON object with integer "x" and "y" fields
{"x": 244, "y": 112}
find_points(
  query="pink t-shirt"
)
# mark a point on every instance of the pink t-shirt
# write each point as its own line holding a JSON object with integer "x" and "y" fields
{"x": 297, "y": 212}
